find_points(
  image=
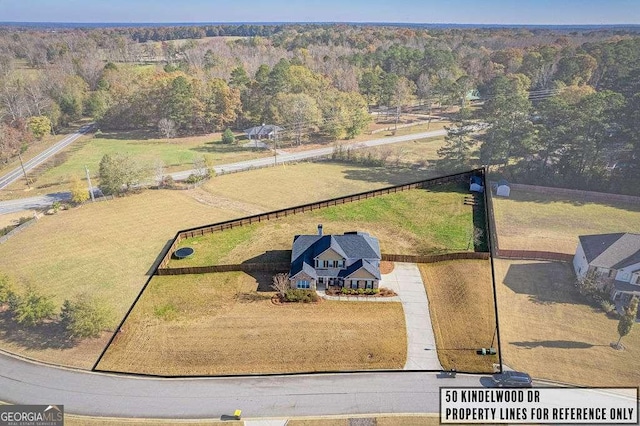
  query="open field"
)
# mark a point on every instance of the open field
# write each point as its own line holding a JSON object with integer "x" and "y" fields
{"x": 294, "y": 184}
{"x": 462, "y": 312}
{"x": 549, "y": 331}
{"x": 107, "y": 248}
{"x": 221, "y": 324}
{"x": 411, "y": 222}
{"x": 527, "y": 221}
{"x": 177, "y": 154}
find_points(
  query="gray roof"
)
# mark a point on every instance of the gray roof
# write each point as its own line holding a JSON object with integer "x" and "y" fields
{"x": 264, "y": 130}
{"x": 611, "y": 250}
{"x": 360, "y": 264}
{"x": 351, "y": 245}
{"x": 626, "y": 287}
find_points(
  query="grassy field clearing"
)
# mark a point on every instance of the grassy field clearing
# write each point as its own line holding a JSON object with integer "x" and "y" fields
{"x": 107, "y": 248}
{"x": 410, "y": 222}
{"x": 462, "y": 312}
{"x": 177, "y": 154}
{"x": 528, "y": 221}
{"x": 220, "y": 324}
{"x": 549, "y": 331}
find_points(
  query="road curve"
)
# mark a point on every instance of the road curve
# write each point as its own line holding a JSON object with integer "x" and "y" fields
{"x": 45, "y": 201}
{"x": 99, "y": 394}
{"x": 29, "y": 165}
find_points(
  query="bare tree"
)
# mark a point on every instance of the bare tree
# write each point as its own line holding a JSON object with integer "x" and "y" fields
{"x": 159, "y": 168}
{"x": 167, "y": 127}
{"x": 281, "y": 283}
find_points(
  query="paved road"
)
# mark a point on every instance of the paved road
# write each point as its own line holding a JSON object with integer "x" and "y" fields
{"x": 29, "y": 165}
{"x": 279, "y": 396}
{"x": 405, "y": 279}
{"x": 46, "y": 200}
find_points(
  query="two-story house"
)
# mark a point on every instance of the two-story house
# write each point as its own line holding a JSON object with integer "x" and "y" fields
{"x": 351, "y": 260}
{"x": 615, "y": 258}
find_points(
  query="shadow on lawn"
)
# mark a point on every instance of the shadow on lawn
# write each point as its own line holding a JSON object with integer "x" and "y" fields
{"x": 545, "y": 282}
{"x": 390, "y": 175}
{"x": 50, "y": 335}
{"x": 163, "y": 252}
{"x": 220, "y": 148}
{"x": 562, "y": 344}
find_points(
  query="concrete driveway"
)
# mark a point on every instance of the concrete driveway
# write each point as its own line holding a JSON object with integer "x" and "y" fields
{"x": 405, "y": 279}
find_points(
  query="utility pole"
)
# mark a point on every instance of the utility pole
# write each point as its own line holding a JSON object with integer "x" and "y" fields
{"x": 23, "y": 170}
{"x": 86, "y": 169}
{"x": 395, "y": 129}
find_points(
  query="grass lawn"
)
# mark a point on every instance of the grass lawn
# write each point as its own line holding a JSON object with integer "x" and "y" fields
{"x": 528, "y": 221}
{"x": 411, "y": 222}
{"x": 104, "y": 248}
{"x": 462, "y": 312}
{"x": 220, "y": 324}
{"x": 107, "y": 248}
{"x": 548, "y": 330}
{"x": 177, "y": 154}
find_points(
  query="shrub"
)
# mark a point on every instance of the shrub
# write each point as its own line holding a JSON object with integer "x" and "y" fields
{"x": 344, "y": 290}
{"x": 301, "y": 295}
{"x": 32, "y": 309}
{"x": 228, "y": 137}
{"x": 607, "y": 306}
{"x": 84, "y": 317}
{"x": 6, "y": 289}
{"x": 361, "y": 291}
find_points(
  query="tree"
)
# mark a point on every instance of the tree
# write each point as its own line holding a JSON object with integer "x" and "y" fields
{"x": 167, "y": 128}
{"x": 180, "y": 102}
{"x": 33, "y": 309}
{"x": 6, "y": 289}
{"x": 84, "y": 317}
{"x": 624, "y": 327}
{"x": 298, "y": 112}
{"x": 39, "y": 126}
{"x": 281, "y": 284}
{"x": 119, "y": 173}
{"x": 79, "y": 192}
{"x": 456, "y": 152}
{"x": 228, "y": 137}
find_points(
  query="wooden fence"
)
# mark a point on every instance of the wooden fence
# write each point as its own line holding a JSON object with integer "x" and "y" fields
{"x": 208, "y": 229}
{"x": 244, "y": 267}
{"x": 435, "y": 257}
{"x": 533, "y": 255}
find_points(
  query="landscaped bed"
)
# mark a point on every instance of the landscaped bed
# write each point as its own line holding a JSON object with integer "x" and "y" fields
{"x": 412, "y": 222}
{"x": 462, "y": 311}
{"x": 220, "y": 324}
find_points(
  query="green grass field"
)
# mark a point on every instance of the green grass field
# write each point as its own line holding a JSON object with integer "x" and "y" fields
{"x": 176, "y": 154}
{"x": 411, "y": 222}
{"x": 528, "y": 221}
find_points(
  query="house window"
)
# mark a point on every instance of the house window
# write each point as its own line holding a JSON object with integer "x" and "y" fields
{"x": 369, "y": 284}
{"x": 303, "y": 284}
{"x": 354, "y": 284}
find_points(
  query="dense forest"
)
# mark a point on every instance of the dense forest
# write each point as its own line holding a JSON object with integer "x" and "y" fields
{"x": 556, "y": 108}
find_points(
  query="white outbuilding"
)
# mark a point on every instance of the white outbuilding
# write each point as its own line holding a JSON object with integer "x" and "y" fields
{"x": 503, "y": 189}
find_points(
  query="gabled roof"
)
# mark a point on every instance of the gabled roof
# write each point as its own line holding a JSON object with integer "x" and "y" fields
{"x": 611, "y": 250}
{"x": 351, "y": 245}
{"x": 360, "y": 264}
{"x": 264, "y": 130}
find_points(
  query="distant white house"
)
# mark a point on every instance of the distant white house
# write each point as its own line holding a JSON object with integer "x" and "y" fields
{"x": 615, "y": 258}
{"x": 476, "y": 184}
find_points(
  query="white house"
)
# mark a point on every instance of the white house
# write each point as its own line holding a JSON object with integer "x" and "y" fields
{"x": 615, "y": 258}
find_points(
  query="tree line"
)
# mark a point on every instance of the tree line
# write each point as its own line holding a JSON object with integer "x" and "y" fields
{"x": 317, "y": 80}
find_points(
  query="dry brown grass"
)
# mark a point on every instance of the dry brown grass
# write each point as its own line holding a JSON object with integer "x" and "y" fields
{"x": 11, "y": 219}
{"x": 462, "y": 312}
{"x": 547, "y": 330}
{"x": 528, "y": 221}
{"x": 219, "y": 324}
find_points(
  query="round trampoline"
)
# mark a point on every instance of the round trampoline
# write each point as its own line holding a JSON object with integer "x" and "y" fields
{"x": 183, "y": 253}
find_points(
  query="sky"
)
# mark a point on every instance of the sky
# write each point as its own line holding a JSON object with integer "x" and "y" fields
{"x": 531, "y": 12}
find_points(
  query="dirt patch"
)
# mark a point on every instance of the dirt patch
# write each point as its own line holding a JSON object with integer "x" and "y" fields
{"x": 386, "y": 267}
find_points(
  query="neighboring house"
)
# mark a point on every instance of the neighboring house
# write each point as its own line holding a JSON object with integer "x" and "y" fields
{"x": 266, "y": 131}
{"x": 614, "y": 258}
{"x": 351, "y": 260}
